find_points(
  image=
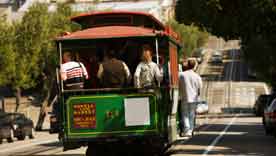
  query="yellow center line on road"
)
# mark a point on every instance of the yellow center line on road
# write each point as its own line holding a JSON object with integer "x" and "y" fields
{"x": 213, "y": 144}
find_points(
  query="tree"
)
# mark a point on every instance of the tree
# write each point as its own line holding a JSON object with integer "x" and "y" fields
{"x": 7, "y": 52}
{"x": 31, "y": 41}
{"x": 191, "y": 36}
{"x": 252, "y": 21}
{"x": 59, "y": 23}
{"x": 27, "y": 50}
{"x": 14, "y": 66}
{"x": 22, "y": 48}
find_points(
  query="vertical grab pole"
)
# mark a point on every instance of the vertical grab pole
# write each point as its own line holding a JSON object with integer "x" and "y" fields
{"x": 60, "y": 62}
{"x": 157, "y": 54}
{"x": 157, "y": 50}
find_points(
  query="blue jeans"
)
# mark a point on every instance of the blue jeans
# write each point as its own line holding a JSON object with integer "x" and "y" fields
{"x": 188, "y": 115}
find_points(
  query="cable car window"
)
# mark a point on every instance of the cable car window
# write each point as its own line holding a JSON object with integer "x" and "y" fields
{"x": 110, "y": 20}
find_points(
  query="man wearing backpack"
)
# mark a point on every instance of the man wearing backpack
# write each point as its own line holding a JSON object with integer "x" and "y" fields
{"x": 147, "y": 72}
{"x": 72, "y": 72}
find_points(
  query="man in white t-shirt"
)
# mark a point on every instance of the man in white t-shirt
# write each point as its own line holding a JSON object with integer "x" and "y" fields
{"x": 190, "y": 84}
{"x": 72, "y": 72}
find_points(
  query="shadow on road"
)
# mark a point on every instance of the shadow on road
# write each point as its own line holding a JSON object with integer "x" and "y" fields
{"x": 59, "y": 155}
{"x": 242, "y": 138}
{"x": 52, "y": 144}
{"x": 53, "y": 147}
{"x": 224, "y": 115}
{"x": 237, "y": 110}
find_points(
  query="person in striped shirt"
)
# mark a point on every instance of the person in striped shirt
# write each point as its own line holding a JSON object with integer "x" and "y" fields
{"x": 72, "y": 73}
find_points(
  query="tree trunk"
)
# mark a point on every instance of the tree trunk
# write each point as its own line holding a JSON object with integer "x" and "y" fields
{"x": 18, "y": 98}
{"x": 42, "y": 114}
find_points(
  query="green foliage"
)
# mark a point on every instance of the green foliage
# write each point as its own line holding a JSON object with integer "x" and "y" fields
{"x": 27, "y": 49}
{"x": 7, "y": 52}
{"x": 220, "y": 17}
{"x": 191, "y": 36}
{"x": 260, "y": 54}
{"x": 252, "y": 21}
{"x": 32, "y": 34}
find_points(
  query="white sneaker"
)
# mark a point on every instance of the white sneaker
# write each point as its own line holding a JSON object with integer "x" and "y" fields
{"x": 189, "y": 133}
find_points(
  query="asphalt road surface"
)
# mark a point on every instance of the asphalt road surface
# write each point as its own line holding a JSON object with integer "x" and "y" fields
{"x": 228, "y": 135}
{"x": 231, "y": 135}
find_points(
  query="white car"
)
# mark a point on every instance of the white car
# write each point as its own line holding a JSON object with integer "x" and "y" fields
{"x": 217, "y": 58}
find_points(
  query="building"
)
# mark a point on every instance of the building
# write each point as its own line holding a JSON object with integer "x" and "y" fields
{"x": 161, "y": 9}
{"x": 14, "y": 9}
{"x": 5, "y": 9}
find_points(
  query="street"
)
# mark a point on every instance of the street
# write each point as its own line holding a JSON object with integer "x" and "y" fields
{"x": 114, "y": 78}
{"x": 229, "y": 129}
{"x": 239, "y": 134}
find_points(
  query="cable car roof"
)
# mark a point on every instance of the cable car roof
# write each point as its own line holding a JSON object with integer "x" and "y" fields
{"x": 128, "y": 18}
{"x": 109, "y": 32}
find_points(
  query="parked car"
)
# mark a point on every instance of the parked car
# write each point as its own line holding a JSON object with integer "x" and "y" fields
{"x": 269, "y": 118}
{"x": 15, "y": 125}
{"x": 6, "y": 130}
{"x": 217, "y": 57}
{"x": 260, "y": 104}
{"x": 22, "y": 126}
